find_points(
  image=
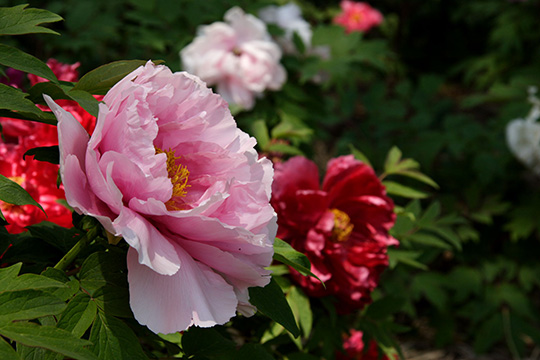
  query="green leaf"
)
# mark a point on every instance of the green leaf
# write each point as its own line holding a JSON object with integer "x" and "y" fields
{"x": 392, "y": 158}
{"x": 45, "y": 117}
{"x": 66, "y": 91}
{"x": 103, "y": 268}
{"x": 358, "y": 155}
{"x": 301, "y": 309}
{"x": 15, "y": 99}
{"x": 49, "y": 154}
{"x": 385, "y": 307}
{"x": 17, "y": 59}
{"x": 101, "y": 79}
{"x": 114, "y": 340}
{"x": 428, "y": 240}
{"x": 394, "y": 188}
{"x": 55, "y": 235}
{"x": 48, "y": 337}
{"x": 283, "y": 252}
{"x": 79, "y": 315}
{"x": 113, "y": 300}
{"x": 17, "y": 20}
{"x": 7, "y": 352}
{"x": 407, "y": 257}
{"x": 28, "y": 304}
{"x": 271, "y": 302}
{"x": 207, "y": 343}
{"x": 283, "y": 148}
{"x": 253, "y": 351}
{"x": 446, "y": 233}
{"x": 13, "y": 193}
{"x": 489, "y": 333}
{"x": 417, "y": 175}
{"x": 260, "y": 131}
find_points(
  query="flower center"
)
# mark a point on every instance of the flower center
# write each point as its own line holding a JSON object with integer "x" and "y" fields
{"x": 356, "y": 17}
{"x": 179, "y": 175}
{"x": 342, "y": 226}
{"x": 236, "y": 51}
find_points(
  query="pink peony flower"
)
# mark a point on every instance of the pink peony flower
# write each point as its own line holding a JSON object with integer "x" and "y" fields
{"x": 238, "y": 56}
{"x": 342, "y": 228}
{"x": 354, "y": 348}
{"x": 358, "y": 16}
{"x": 168, "y": 170}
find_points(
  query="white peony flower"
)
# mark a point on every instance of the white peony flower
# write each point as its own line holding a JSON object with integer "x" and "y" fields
{"x": 238, "y": 56}
{"x": 523, "y": 135}
{"x": 289, "y": 18}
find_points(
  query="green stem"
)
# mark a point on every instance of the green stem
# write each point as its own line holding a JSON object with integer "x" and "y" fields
{"x": 508, "y": 334}
{"x": 76, "y": 249}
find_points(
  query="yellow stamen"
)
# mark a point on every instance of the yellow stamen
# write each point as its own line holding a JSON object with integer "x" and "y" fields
{"x": 179, "y": 175}
{"x": 342, "y": 226}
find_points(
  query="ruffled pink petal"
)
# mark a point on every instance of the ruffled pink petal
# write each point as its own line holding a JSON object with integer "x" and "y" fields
{"x": 195, "y": 295}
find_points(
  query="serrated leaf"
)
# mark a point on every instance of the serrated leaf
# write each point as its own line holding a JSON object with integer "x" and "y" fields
{"x": 283, "y": 252}
{"x": 271, "y": 301}
{"x": 15, "y": 100}
{"x": 48, "y": 337}
{"x": 207, "y": 343}
{"x": 13, "y": 193}
{"x": 17, "y": 20}
{"x": 114, "y": 340}
{"x": 394, "y": 188}
{"x": 79, "y": 315}
{"x": 49, "y": 154}
{"x": 17, "y": 59}
{"x": 7, "y": 352}
{"x": 101, "y": 79}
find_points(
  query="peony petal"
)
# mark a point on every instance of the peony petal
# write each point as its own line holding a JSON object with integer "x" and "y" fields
{"x": 195, "y": 295}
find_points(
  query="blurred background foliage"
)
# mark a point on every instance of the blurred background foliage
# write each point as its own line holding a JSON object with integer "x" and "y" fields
{"x": 438, "y": 80}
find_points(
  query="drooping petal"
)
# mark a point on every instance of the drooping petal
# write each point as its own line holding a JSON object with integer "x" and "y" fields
{"x": 195, "y": 295}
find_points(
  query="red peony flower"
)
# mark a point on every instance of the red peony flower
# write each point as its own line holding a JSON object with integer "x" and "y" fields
{"x": 37, "y": 177}
{"x": 358, "y": 16}
{"x": 64, "y": 72}
{"x": 354, "y": 349}
{"x": 342, "y": 228}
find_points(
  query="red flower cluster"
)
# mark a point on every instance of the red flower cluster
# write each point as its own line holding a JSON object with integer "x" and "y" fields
{"x": 354, "y": 349}
{"x": 36, "y": 177}
{"x": 358, "y": 16}
{"x": 342, "y": 228}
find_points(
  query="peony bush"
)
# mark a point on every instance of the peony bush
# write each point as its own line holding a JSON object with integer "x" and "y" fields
{"x": 282, "y": 180}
